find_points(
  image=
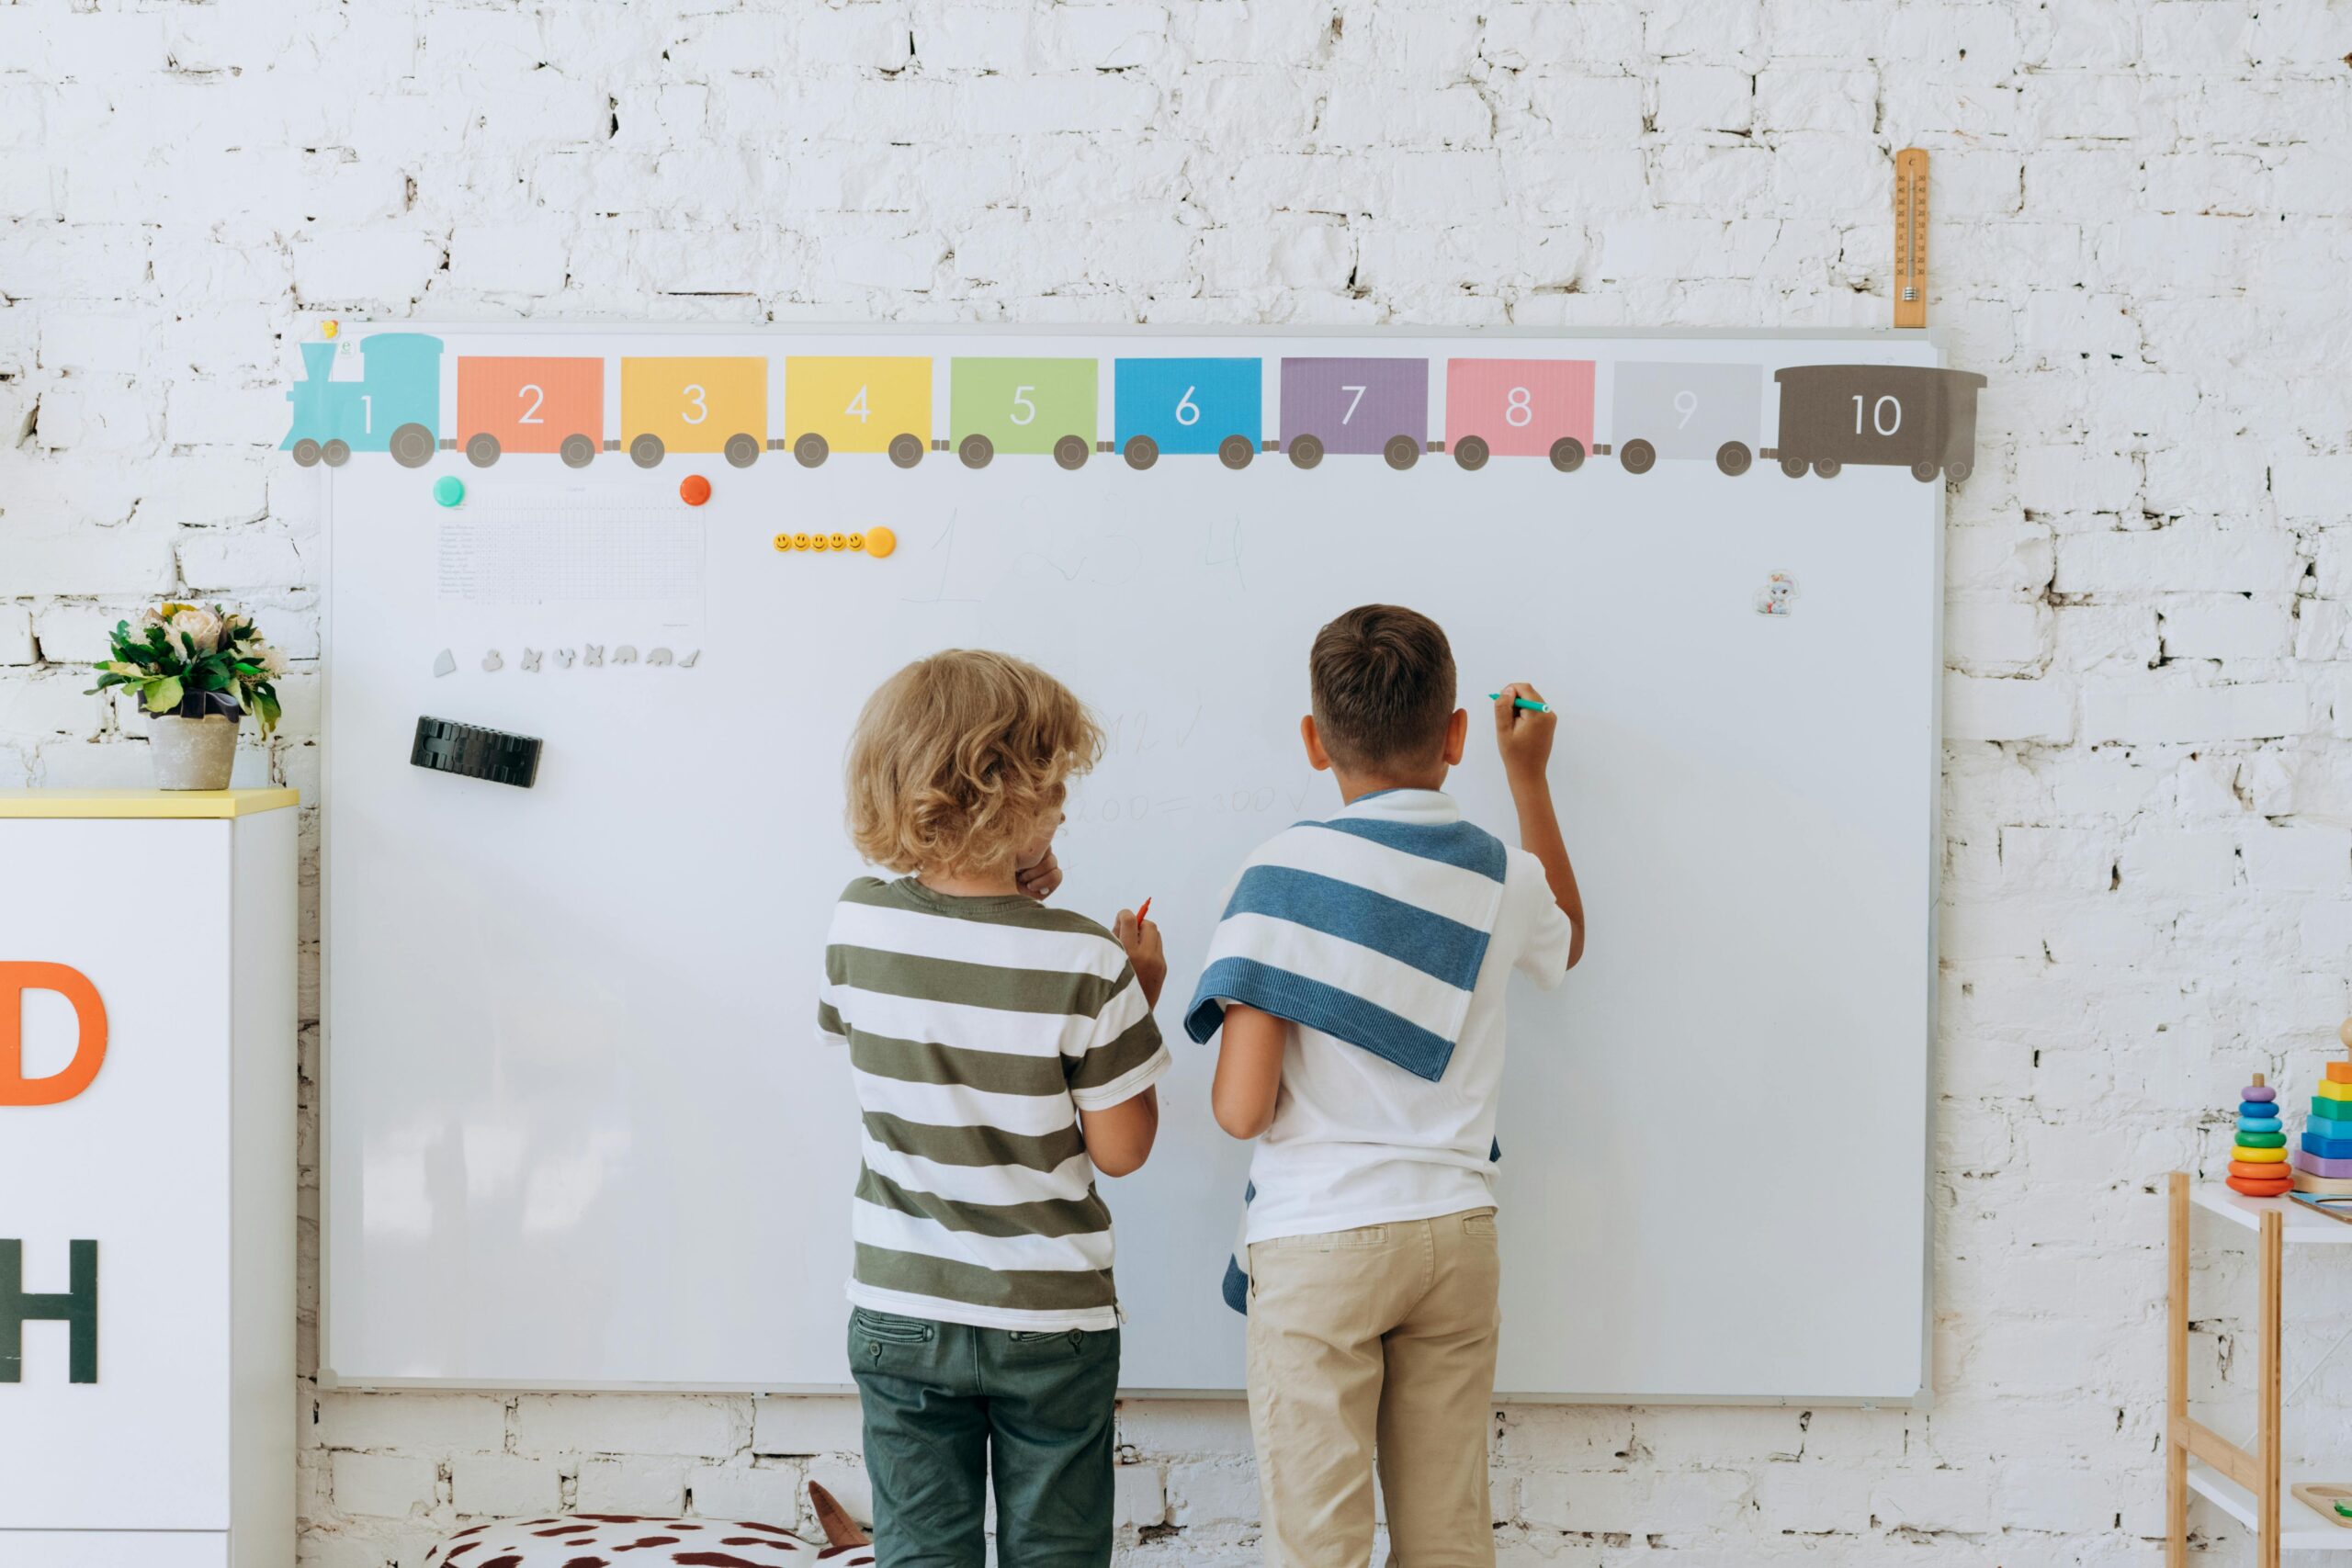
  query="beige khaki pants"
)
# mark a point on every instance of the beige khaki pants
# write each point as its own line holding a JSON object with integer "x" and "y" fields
{"x": 1375, "y": 1342}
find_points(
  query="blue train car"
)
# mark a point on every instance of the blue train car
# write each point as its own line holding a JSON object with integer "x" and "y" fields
{"x": 395, "y": 406}
{"x": 1193, "y": 406}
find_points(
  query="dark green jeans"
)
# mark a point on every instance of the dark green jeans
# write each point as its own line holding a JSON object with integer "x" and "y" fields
{"x": 946, "y": 1405}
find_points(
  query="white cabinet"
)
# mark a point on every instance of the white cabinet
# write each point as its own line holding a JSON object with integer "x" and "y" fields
{"x": 147, "y": 1178}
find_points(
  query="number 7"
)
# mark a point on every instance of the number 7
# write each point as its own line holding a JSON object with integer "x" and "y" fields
{"x": 1351, "y": 403}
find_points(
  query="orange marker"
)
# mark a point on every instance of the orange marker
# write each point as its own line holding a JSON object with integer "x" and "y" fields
{"x": 1142, "y": 912}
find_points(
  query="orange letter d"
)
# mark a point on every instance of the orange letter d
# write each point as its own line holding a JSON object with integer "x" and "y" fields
{"x": 89, "y": 1050}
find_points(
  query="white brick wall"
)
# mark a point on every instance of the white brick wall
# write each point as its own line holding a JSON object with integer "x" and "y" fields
{"x": 2145, "y": 220}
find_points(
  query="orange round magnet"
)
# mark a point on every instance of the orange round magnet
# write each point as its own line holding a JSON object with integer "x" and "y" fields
{"x": 694, "y": 489}
{"x": 880, "y": 541}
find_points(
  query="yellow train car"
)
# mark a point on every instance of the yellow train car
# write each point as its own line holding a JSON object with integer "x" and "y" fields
{"x": 857, "y": 403}
{"x": 708, "y": 404}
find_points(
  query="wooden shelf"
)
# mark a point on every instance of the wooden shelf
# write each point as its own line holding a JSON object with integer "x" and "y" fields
{"x": 2300, "y": 1529}
{"x": 2303, "y": 1228}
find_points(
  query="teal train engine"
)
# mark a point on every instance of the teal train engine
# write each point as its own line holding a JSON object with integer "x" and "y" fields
{"x": 395, "y": 406}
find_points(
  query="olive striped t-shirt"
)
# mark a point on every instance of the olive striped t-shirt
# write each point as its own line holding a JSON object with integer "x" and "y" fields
{"x": 978, "y": 1029}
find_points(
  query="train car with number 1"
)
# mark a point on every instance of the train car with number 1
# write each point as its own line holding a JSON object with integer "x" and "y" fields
{"x": 395, "y": 406}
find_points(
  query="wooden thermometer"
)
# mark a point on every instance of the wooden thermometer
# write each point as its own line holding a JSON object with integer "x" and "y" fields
{"x": 1911, "y": 237}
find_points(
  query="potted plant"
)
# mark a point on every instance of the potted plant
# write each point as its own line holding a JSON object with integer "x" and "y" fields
{"x": 197, "y": 672}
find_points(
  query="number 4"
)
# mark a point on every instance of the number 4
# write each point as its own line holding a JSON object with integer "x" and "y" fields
{"x": 857, "y": 406}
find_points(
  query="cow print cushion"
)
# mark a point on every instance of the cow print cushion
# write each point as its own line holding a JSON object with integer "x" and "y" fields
{"x": 629, "y": 1541}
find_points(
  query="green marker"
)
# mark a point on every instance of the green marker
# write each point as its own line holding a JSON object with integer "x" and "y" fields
{"x": 1531, "y": 705}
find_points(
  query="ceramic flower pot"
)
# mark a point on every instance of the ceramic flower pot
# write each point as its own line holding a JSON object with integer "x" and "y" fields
{"x": 193, "y": 753}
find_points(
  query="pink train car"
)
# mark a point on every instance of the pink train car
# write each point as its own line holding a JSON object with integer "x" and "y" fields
{"x": 1519, "y": 408}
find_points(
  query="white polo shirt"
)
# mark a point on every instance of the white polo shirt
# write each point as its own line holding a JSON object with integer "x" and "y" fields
{"x": 1357, "y": 1140}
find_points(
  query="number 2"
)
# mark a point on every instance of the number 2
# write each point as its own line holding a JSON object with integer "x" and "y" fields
{"x": 1878, "y": 411}
{"x": 1351, "y": 403}
{"x": 857, "y": 406}
{"x": 1024, "y": 411}
{"x": 531, "y": 415}
{"x": 1187, "y": 411}
{"x": 700, "y": 400}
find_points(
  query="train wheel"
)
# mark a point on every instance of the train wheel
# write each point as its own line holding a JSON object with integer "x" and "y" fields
{"x": 1924, "y": 471}
{"x": 810, "y": 450}
{"x": 742, "y": 450}
{"x": 1471, "y": 453}
{"x": 646, "y": 450}
{"x": 1071, "y": 452}
{"x": 1734, "y": 457}
{"x": 1828, "y": 468}
{"x": 1141, "y": 452}
{"x": 1638, "y": 455}
{"x": 906, "y": 449}
{"x": 411, "y": 445}
{"x": 1401, "y": 452}
{"x": 974, "y": 451}
{"x": 1957, "y": 471}
{"x": 1568, "y": 454}
{"x": 1306, "y": 451}
{"x": 577, "y": 451}
{"x": 306, "y": 452}
{"x": 336, "y": 453}
{"x": 1235, "y": 452}
{"x": 482, "y": 450}
{"x": 1793, "y": 466}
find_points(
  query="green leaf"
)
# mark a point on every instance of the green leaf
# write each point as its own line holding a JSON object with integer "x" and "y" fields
{"x": 164, "y": 694}
{"x": 266, "y": 708}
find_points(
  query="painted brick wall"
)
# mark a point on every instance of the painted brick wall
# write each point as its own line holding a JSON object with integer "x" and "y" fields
{"x": 2144, "y": 228}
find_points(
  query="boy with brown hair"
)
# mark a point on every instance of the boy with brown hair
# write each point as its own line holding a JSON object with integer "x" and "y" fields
{"x": 1005, "y": 1055}
{"x": 1359, "y": 975}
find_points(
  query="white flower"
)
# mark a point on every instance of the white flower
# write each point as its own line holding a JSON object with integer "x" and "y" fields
{"x": 200, "y": 626}
{"x": 271, "y": 660}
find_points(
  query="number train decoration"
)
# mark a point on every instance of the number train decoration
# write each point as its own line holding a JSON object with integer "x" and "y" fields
{"x": 1916, "y": 417}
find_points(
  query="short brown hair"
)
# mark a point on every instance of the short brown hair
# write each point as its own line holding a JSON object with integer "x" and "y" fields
{"x": 961, "y": 758}
{"x": 1383, "y": 681}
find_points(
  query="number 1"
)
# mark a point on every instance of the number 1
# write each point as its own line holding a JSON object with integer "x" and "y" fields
{"x": 366, "y": 413}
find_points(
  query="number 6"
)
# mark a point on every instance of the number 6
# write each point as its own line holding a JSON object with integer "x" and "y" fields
{"x": 1187, "y": 411}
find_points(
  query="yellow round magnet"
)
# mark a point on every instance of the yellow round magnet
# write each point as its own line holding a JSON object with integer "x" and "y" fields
{"x": 880, "y": 541}
{"x": 857, "y": 541}
{"x": 782, "y": 541}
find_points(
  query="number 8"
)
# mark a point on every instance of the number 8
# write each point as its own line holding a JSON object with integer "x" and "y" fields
{"x": 1521, "y": 408}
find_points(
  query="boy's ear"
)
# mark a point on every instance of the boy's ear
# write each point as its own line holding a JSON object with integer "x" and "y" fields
{"x": 1457, "y": 736}
{"x": 1315, "y": 752}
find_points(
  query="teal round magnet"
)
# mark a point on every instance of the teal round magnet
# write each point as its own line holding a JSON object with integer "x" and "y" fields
{"x": 449, "y": 489}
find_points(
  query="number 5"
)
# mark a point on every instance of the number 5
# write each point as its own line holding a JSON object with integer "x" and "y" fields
{"x": 699, "y": 399}
{"x": 1024, "y": 411}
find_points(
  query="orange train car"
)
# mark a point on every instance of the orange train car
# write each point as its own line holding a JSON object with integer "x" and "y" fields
{"x": 530, "y": 404}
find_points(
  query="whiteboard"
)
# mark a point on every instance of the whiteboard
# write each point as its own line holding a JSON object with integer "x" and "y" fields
{"x": 578, "y": 1131}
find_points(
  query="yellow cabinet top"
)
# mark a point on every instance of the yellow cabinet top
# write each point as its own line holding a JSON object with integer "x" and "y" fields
{"x": 144, "y": 803}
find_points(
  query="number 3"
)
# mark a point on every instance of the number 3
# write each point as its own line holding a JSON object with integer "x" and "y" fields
{"x": 1024, "y": 411}
{"x": 699, "y": 399}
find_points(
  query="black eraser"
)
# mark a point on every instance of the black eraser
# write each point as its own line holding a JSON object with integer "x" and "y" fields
{"x": 446, "y": 746}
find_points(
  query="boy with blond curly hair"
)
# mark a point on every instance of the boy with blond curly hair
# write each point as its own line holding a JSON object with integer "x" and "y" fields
{"x": 1004, "y": 1054}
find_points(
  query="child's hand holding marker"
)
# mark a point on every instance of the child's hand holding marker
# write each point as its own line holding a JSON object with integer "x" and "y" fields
{"x": 1523, "y": 726}
{"x": 1141, "y": 938}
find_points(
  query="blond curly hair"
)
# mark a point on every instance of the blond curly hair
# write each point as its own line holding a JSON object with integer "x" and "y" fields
{"x": 960, "y": 759}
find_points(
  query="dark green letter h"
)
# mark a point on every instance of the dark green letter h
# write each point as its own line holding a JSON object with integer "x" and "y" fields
{"x": 78, "y": 1307}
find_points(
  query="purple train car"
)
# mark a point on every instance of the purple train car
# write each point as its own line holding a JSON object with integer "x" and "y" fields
{"x": 1355, "y": 407}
